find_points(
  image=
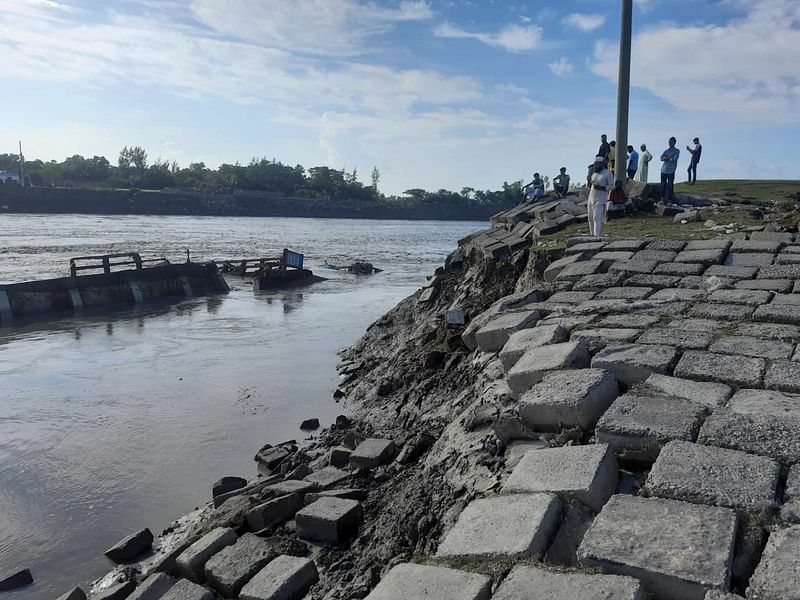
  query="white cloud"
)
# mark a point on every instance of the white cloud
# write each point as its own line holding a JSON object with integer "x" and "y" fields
{"x": 740, "y": 68}
{"x": 585, "y": 22}
{"x": 562, "y": 67}
{"x": 326, "y": 27}
{"x": 512, "y": 38}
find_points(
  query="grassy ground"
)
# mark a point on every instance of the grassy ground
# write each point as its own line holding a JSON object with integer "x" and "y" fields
{"x": 746, "y": 191}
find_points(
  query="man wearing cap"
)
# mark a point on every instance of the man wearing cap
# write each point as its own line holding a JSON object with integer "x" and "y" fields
{"x": 600, "y": 182}
{"x": 644, "y": 160}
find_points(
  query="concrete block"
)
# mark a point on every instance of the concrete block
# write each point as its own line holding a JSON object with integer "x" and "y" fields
{"x": 329, "y": 519}
{"x": 780, "y": 272}
{"x": 638, "y": 320}
{"x": 702, "y": 257}
{"x": 787, "y": 259}
{"x": 625, "y": 292}
{"x": 532, "y": 366}
{"x": 191, "y": 561}
{"x": 117, "y": 591}
{"x": 569, "y": 322}
{"x": 634, "y": 266}
{"x": 772, "y": 236}
{"x": 709, "y": 325}
{"x": 778, "y": 313}
{"x": 715, "y": 476}
{"x": 372, "y": 453}
{"x": 274, "y": 511}
{"x": 328, "y": 477}
{"x": 770, "y": 246}
{"x": 345, "y": 493}
{"x": 613, "y": 256}
{"x": 751, "y": 346}
{"x": 763, "y": 422}
{"x": 671, "y": 245}
{"x": 730, "y": 272}
{"x": 75, "y": 593}
{"x": 790, "y": 511}
{"x": 637, "y": 427}
{"x": 676, "y": 549}
{"x": 492, "y": 336}
{"x": 660, "y": 256}
{"x": 290, "y": 486}
{"x": 225, "y": 485}
{"x": 706, "y": 284}
{"x": 655, "y": 282}
{"x": 232, "y": 567}
{"x": 596, "y": 339}
{"x": 728, "y": 312}
{"x": 587, "y": 474}
{"x": 776, "y": 331}
{"x": 769, "y": 285}
{"x": 632, "y": 363}
{"x": 568, "y": 399}
{"x": 339, "y": 456}
{"x": 186, "y": 590}
{"x": 679, "y": 294}
{"x": 571, "y": 297}
{"x": 548, "y": 585}
{"x": 674, "y": 336}
{"x": 152, "y": 588}
{"x": 739, "y": 371}
{"x": 786, "y": 299}
{"x": 503, "y": 527}
{"x": 517, "y": 301}
{"x": 555, "y": 267}
{"x": 580, "y": 269}
{"x": 285, "y": 578}
{"x": 711, "y": 395}
{"x": 709, "y": 245}
{"x": 632, "y": 245}
{"x": 130, "y": 547}
{"x": 749, "y": 297}
{"x": 783, "y": 375}
{"x": 679, "y": 269}
{"x": 717, "y": 595}
{"x": 585, "y": 247}
{"x": 777, "y": 576}
{"x": 408, "y": 581}
{"x": 598, "y": 282}
{"x": 522, "y": 341}
{"x": 749, "y": 259}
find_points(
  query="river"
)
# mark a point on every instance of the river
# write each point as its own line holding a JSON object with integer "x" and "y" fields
{"x": 113, "y": 423}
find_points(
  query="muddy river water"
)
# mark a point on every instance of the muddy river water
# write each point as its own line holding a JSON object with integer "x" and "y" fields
{"x": 110, "y": 423}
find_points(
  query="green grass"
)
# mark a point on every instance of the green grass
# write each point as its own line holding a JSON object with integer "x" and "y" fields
{"x": 746, "y": 191}
{"x": 651, "y": 225}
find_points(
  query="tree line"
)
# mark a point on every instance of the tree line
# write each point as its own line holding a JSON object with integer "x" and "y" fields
{"x": 134, "y": 171}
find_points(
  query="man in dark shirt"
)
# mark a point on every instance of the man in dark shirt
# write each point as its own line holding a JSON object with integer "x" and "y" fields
{"x": 605, "y": 148}
{"x": 695, "y": 152}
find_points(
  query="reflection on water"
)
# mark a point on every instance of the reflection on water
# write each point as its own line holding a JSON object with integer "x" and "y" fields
{"x": 109, "y": 423}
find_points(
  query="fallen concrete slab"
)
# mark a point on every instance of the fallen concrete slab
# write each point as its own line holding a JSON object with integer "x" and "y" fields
{"x": 235, "y": 565}
{"x": 548, "y": 585}
{"x": 532, "y": 366}
{"x": 285, "y": 578}
{"x": 632, "y": 363}
{"x": 192, "y": 561}
{"x": 408, "y": 581}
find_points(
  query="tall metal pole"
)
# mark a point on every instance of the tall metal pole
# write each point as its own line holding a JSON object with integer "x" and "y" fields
{"x": 624, "y": 90}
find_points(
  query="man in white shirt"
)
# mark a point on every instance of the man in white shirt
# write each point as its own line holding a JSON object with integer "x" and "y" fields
{"x": 600, "y": 182}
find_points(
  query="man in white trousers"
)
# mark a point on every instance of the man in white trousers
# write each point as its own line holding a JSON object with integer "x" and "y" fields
{"x": 600, "y": 182}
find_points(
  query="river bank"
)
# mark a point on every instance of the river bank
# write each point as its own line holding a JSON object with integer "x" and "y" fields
{"x": 622, "y": 406}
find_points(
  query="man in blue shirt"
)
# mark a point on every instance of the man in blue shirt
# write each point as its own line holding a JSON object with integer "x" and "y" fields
{"x": 696, "y": 152}
{"x": 633, "y": 162}
{"x": 669, "y": 159}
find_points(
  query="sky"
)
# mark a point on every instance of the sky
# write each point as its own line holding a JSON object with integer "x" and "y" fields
{"x": 436, "y": 94}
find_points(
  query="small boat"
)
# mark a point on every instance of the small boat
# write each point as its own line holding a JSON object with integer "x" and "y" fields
{"x": 357, "y": 267}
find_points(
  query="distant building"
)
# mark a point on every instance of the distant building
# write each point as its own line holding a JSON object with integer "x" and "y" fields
{"x": 9, "y": 177}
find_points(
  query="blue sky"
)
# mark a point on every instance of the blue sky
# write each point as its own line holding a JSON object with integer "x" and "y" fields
{"x": 436, "y": 94}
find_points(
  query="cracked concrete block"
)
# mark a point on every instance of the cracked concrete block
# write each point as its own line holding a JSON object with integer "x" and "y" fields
{"x": 749, "y": 297}
{"x": 192, "y": 560}
{"x": 408, "y": 581}
{"x": 677, "y": 550}
{"x": 634, "y": 266}
{"x": 532, "y": 366}
{"x": 285, "y": 578}
{"x": 599, "y": 281}
{"x": 760, "y": 422}
{"x": 580, "y": 269}
{"x": 637, "y": 427}
{"x": 492, "y": 336}
{"x": 716, "y": 477}
{"x": 702, "y": 257}
{"x": 522, "y": 341}
{"x": 638, "y": 320}
{"x": 626, "y": 293}
{"x": 739, "y": 371}
{"x": 549, "y": 585}
{"x": 668, "y": 294}
{"x": 675, "y": 336}
{"x": 328, "y": 477}
{"x": 567, "y": 399}
{"x": 273, "y": 511}
{"x": 595, "y": 339}
{"x": 777, "y": 576}
{"x": 587, "y": 474}
{"x": 235, "y": 565}
{"x": 555, "y": 267}
{"x": 503, "y": 527}
{"x": 712, "y": 395}
{"x": 571, "y": 297}
{"x": 727, "y": 312}
{"x": 751, "y": 346}
{"x": 632, "y": 363}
